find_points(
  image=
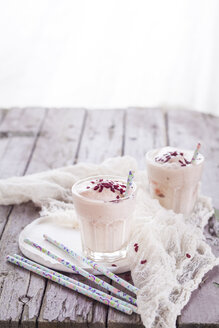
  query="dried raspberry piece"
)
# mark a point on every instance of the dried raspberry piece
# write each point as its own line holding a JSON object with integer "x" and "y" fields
{"x": 96, "y": 187}
{"x": 136, "y": 244}
{"x": 161, "y": 195}
{"x": 188, "y": 255}
{"x": 117, "y": 197}
{"x": 92, "y": 182}
{"x": 88, "y": 187}
{"x": 101, "y": 189}
{"x": 136, "y": 248}
{"x": 114, "y": 265}
{"x": 187, "y": 162}
{"x": 143, "y": 261}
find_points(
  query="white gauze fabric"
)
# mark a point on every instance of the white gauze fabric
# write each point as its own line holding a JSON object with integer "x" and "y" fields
{"x": 174, "y": 247}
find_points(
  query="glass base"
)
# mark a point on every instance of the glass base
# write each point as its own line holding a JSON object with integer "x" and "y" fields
{"x": 105, "y": 257}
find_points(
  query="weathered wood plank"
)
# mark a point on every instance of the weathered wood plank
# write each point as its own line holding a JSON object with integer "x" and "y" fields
{"x": 102, "y": 138}
{"x": 59, "y": 138}
{"x": 14, "y": 281}
{"x": 56, "y": 146}
{"x": 145, "y": 129}
{"x": 18, "y": 132}
{"x": 27, "y": 300}
{"x": 118, "y": 319}
{"x": 185, "y": 128}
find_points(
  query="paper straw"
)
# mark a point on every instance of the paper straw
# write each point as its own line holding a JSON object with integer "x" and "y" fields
{"x": 129, "y": 183}
{"x": 70, "y": 285}
{"x": 75, "y": 282}
{"x": 83, "y": 272}
{"x": 196, "y": 152}
{"x": 93, "y": 264}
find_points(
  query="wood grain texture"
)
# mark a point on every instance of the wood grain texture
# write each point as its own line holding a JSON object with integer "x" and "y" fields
{"x": 185, "y": 129}
{"x": 102, "y": 137}
{"x": 14, "y": 281}
{"x": 144, "y": 130}
{"x": 59, "y": 138}
{"x": 18, "y": 132}
{"x": 120, "y": 320}
{"x": 55, "y": 147}
{"x": 29, "y": 298}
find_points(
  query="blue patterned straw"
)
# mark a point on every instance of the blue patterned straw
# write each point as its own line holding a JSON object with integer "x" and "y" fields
{"x": 93, "y": 264}
{"x": 69, "y": 284}
{"x": 76, "y": 282}
{"x": 129, "y": 183}
{"x": 83, "y": 272}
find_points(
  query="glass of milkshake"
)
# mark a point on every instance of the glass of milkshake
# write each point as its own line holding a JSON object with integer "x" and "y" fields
{"x": 105, "y": 216}
{"x": 174, "y": 178}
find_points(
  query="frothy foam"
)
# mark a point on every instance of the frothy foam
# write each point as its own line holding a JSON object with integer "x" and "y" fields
{"x": 173, "y": 157}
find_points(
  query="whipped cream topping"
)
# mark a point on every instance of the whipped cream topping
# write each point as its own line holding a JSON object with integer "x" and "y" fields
{"x": 174, "y": 157}
{"x": 103, "y": 189}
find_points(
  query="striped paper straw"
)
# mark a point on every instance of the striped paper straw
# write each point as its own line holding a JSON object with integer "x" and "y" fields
{"x": 75, "y": 282}
{"x": 83, "y": 272}
{"x": 70, "y": 285}
{"x": 196, "y": 152}
{"x": 93, "y": 264}
{"x": 129, "y": 183}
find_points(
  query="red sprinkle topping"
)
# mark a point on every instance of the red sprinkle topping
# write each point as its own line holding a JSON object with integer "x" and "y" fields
{"x": 136, "y": 248}
{"x": 143, "y": 261}
{"x": 188, "y": 255}
{"x": 109, "y": 184}
{"x": 88, "y": 187}
{"x": 101, "y": 189}
{"x": 114, "y": 265}
{"x": 166, "y": 157}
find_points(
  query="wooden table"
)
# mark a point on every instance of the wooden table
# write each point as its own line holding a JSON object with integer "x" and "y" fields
{"x": 33, "y": 140}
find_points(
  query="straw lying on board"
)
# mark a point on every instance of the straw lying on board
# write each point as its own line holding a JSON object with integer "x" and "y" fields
{"x": 83, "y": 272}
{"x": 76, "y": 282}
{"x": 93, "y": 264}
{"x": 115, "y": 303}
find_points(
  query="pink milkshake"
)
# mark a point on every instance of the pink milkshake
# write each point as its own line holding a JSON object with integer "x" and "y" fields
{"x": 105, "y": 216}
{"x": 174, "y": 178}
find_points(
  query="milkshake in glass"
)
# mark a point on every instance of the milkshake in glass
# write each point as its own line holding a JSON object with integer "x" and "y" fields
{"x": 174, "y": 178}
{"x": 105, "y": 216}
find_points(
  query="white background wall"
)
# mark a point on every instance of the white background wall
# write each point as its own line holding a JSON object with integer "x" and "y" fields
{"x": 105, "y": 54}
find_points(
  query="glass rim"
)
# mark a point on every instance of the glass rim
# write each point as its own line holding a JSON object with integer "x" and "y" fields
{"x": 99, "y": 201}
